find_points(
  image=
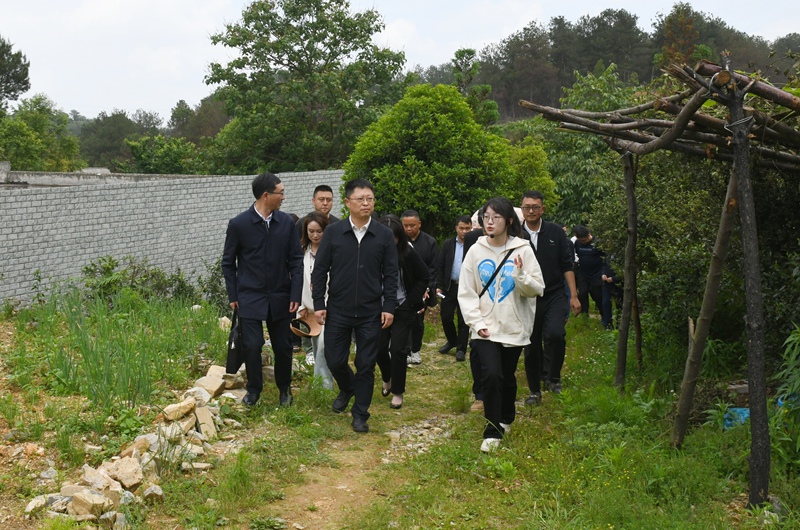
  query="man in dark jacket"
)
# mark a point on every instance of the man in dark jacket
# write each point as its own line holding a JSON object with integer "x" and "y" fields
{"x": 356, "y": 267}
{"x": 262, "y": 263}
{"x": 544, "y": 356}
{"x": 425, "y": 245}
{"x": 448, "y": 268}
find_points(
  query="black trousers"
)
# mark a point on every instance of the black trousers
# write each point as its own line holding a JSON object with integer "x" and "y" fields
{"x": 499, "y": 366}
{"x": 253, "y": 339}
{"x": 477, "y": 373}
{"x": 589, "y": 286}
{"x": 417, "y": 331}
{"x": 544, "y": 356}
{"x": 392, "y": 354}
{"x": 338, "y": 331}
{"x": 449, "y": 310}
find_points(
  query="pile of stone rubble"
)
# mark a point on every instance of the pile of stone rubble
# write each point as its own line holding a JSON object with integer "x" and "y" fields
{"x": 183, "y": 432}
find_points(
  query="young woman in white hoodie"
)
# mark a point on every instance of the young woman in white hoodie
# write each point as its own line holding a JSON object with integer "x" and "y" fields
{"x": 500, "y": 315}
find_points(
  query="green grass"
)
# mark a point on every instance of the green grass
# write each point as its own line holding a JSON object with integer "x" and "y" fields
{"x": 590, "y": 458}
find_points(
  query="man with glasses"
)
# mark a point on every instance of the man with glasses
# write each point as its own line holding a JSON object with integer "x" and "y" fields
{"x": 262, "y": 263}
{"x": 357, "y": 268}
{"x": 544, "y": 356}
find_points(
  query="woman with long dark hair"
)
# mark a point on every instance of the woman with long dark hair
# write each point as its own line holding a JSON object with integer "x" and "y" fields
{"x": 392, "y": 352}
{"x": 497, "y": 289}
{"x": 313, "y": 227}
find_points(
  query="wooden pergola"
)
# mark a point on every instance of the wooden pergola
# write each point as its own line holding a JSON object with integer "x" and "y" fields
{"x": 748, "y": 136}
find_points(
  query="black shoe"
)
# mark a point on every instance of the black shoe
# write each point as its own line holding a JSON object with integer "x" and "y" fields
{"x": 286, "y": 399}
{"x": 341, "y": 402}
{"x": 250, "y": 399}
{"x": 446, "y": 348}
{"x": 461, "y": 356}
{"x": 555, "y": 388}
{"x": 360, "y": 425}
{"x": 535, "y": 398}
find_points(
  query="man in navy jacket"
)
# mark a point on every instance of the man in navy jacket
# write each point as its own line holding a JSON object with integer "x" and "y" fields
{"x": 356, "y": 265}
{"x": 263, "y": 267}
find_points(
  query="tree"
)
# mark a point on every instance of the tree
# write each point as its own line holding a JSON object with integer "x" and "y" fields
{"x": 20, "y": 145}
{"x": 307, "y": 81}
{"x": 60, "y": 150}
{"x": 465, "y": 67}
{"x": 160, "y": 155}
{"x": 203, "y": 121}
{"x": 13, "y": 73}
{"x": 429, "y": 153}
{"x": 103, "y": 139}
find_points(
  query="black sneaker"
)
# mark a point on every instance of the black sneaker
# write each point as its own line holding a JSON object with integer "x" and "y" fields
{"x": 555, "y": 388}
{"x": 286, "y": 399}
{"x": 461, "y": 356}
{"x": 534, "y": 398}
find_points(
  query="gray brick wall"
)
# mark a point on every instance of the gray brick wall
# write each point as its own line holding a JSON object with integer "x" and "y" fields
{"x": 173, "y": 221}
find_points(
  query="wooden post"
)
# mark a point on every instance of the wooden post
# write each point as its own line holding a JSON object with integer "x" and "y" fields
{"x": 629, "y": 288}
{"x": 698, "y": 336}
{"x": 757, "y": 382}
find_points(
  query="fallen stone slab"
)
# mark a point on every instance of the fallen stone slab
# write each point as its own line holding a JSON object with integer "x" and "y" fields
{"x": 200, "y": 394}
{"x": 215, "y": 371}
{"x": 206, "y": 422}
{"x": 90, "y": 502}
{"x": 214, "y": 385}
{"x": 153, "y": 494}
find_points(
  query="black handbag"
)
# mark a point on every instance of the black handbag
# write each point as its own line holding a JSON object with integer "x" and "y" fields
{"x": 235, "y": 350}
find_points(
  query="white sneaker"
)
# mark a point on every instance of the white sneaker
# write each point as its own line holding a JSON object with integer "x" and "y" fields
{"x": 490, "y": 444}
{"x": 506, "y": 427}
{"x": 310, "y": 358}
{"x": 415, "y": 358}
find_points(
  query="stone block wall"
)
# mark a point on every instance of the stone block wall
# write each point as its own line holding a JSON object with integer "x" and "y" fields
{"x": 173, "y": 221}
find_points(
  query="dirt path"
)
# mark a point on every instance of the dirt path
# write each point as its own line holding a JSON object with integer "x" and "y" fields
{"x": 330, "y": 494}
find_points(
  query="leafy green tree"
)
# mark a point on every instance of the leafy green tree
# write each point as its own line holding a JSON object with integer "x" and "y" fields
{"x": 76, "y": 122}
{"x": 160, "y": 155}
{"x": 60, "y": 148}
{"x": 614, "y": 37}
{"x": 103, "y": 139}
{"x": 465, "y": 67}
{"x": 429, "y": 153}
{"x": 13, "y": 73}
{"x": 199, "y": 123}
{"x": 307, "y": 81}
{"x": 179, "y": 118}
{"x": 20, "y": 145}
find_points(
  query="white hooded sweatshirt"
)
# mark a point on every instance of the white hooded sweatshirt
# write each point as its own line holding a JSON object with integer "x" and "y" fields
{"x": 508, "y": 306}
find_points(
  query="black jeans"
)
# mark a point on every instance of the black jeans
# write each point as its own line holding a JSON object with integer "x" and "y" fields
{"x": 499, "y": 366}
{"x": 393, "y": 340}
{"x": 253, "y": 339}
{"x": 449, "y": 310}
{"x": 338, "y": 331}
{"x": 544, "y": 356}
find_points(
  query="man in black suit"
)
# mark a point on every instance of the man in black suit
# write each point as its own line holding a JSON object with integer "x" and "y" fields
{"x": 448, "y": 268}
{"x": 322, "y": 201}
{"x": 544, "y": 356}
{"x": 263, "y": 267}
{"x": 425, "y": 245}
{"x": 354, "y": 286}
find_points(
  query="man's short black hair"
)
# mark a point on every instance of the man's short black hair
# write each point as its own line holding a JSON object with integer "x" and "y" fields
{"x": 322, "y": 187}
{"x": 265, "y": 182}
{"x": 463, "y": 219}
{"x": 581, "y": 231}
{"x": 410, "y": 213}
{"x": 533, "y": 194}
{"x": 351, "y": 185}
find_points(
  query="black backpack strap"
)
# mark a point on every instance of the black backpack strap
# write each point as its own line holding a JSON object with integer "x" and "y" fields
{"x": 494, "y": 274}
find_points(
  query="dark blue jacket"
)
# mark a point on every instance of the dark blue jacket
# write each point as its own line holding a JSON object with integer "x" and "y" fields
{"x": 363, "y": 276}
{"x": 263, "y": 268}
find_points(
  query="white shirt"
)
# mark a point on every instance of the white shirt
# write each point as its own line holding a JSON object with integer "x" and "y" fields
{"x": 534, "y": 234}
{"x": 359, "y": 232}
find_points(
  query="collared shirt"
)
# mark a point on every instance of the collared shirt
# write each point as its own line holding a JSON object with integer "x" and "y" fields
{"x": 458, "y": 259}
{"x": 267, "y": 219}
{"x": 534, "y": 234}
{"x": 359, "y": 232}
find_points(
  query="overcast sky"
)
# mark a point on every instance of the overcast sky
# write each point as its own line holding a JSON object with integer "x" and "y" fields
{"x": 100, "y": 55}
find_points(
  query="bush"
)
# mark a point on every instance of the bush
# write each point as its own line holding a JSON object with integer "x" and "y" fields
{"x": 104, "y": 278}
